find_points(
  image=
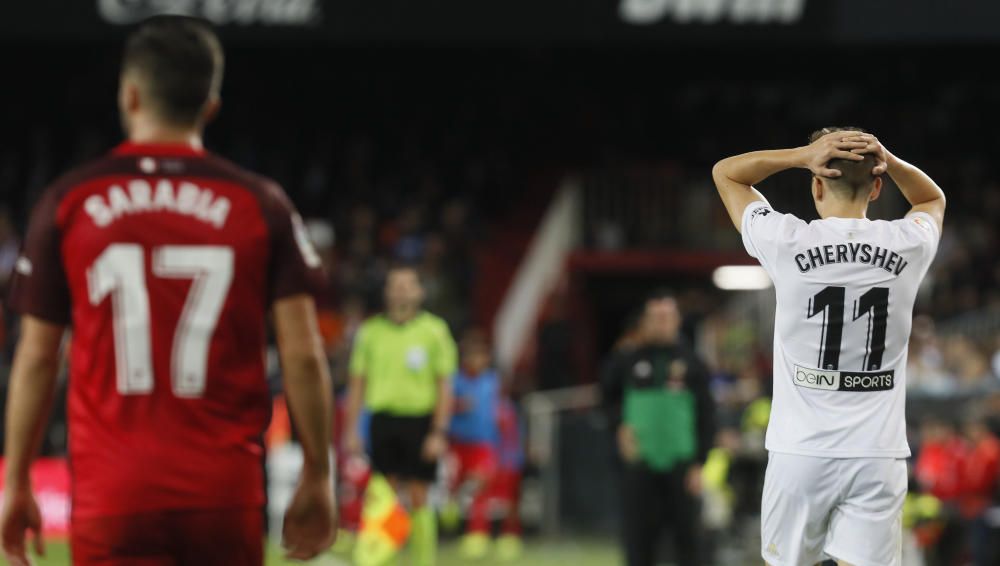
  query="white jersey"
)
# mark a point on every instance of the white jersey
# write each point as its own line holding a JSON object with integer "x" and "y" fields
{"x": 845, "y": 291}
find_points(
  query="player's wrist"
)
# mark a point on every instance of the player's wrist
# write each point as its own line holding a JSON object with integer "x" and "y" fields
{"x": 17, "y": 475}
{"x": 16, "y": 484}
{"x": 798, "y": 157}
{"x": 315, "y": 474}
{"x": 891, "y": 161}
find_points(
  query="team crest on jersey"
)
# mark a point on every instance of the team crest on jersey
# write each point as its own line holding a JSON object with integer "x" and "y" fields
{"x": 643, "y": 370}
{"x": 24, "y": 266}
{"x": 416, "y": 358}
{"x": 147, "y": 165}
{"x": 305, "y": 244}
{"x": 677, "y": 379}
{"x": 762, "y": 211}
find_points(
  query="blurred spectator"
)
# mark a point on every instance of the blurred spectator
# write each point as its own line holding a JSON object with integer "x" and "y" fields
{"x": 981, "y": 476}
{"x": 611, "y": 390}
{"x": 942, "y": 456}
{"x": 505, "y": 491}
{"x": 444, "y": 297}
{"x": 964, "y": 360}
{"x": 939, "y": 470}
{"x": 925, "y": 370}
{"x": 665, "y": 433}
{"x": 473, "y": 435}
{"x": 410, "y": 238}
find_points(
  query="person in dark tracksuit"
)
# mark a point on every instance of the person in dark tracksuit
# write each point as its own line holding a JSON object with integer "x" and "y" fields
{"x": 658, "y": 396}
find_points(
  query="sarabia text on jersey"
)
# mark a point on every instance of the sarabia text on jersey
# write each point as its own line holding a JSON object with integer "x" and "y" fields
{"x": 845, "y": 292}
{"x": 165, "y": 261}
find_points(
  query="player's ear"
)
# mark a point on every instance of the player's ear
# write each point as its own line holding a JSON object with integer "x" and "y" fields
{"x": 211, "y": 110}
{"x": 128, "y": 95}
{"x": 817, "y": 188}
{"x": 876, "y": 190}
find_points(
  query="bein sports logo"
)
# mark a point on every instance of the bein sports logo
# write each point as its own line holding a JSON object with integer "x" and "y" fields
{"x": 644, "y": 12}
{"x": 219, "y": 12}
{"x": 834, "y": 380}
{"x": 817, "y": 379}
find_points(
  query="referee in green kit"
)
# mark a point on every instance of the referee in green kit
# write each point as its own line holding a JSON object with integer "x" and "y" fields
{"x": 401, "y": 368}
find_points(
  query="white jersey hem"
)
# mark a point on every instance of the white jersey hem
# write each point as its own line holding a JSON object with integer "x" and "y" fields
{"x": 840, "y": 453}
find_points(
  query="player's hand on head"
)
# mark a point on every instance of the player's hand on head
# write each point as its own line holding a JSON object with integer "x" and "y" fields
{"x": 835, "y": 145}
{"x": 310, "y": 526}
{"x": 872, "y": 147}
{"x": 20, "y": 515}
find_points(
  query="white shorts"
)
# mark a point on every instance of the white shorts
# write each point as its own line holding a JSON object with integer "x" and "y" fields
{"x": 848, "y": 509}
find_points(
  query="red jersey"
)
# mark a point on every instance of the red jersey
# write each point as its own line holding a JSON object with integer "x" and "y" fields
{"x": 164, "y": 260}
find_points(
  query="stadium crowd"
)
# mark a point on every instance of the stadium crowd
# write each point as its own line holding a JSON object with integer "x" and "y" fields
{"x": 422, "y": 179}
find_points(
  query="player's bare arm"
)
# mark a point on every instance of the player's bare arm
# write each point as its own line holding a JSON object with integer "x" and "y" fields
{"x": 310, "y": 522}
{"x": 736, "y": 176}
{"x": 437, "y": 443}
{"x": 923, "y": 194}
{"x": 355, "y": 399}
{"x": 29, "y": 402}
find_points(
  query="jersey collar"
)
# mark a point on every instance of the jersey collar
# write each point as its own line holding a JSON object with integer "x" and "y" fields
{"x": 170, "y": 149}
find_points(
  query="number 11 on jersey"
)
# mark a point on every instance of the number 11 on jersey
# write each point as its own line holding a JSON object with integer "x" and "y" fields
{"x": 830, "y": 303}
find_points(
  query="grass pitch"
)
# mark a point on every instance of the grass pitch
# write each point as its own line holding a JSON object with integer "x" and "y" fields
{"x": 536, "y": 553}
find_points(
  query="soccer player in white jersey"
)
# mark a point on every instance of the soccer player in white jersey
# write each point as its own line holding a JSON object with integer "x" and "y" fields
{"x": 845, "y": 285}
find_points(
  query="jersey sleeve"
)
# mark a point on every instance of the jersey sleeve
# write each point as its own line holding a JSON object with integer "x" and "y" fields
{"x": 358, "y": 366}
{"x": 38, "y": 285}
{"x": 295, "y": 267}
{"x": 765, "y": 230}
{"x": 445, "y": 352}
{"x": 920, "y": 229}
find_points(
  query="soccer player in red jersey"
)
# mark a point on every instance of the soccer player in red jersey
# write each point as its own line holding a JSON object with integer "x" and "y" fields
{"x": 165, "y": 261}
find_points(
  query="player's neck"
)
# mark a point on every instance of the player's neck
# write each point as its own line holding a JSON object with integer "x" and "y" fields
{"x": 846, "y": 210}
{"x": 402, "y": 316}
{"x": 152, "y": 132}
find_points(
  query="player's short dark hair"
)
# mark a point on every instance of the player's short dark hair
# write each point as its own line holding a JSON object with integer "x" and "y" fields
{"x": 475, "y": 338}
{"x": 180, "y": 61}
{"x": 856, "y": 179}
{"x": 633, "y": 321}
{"x": 661, "y": 294}
{"x": 404, "y": 266}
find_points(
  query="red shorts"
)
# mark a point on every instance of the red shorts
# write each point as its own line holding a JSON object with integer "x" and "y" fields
{"x": 506, "y": 487}
{"x": 171, "y": 538}
{"x": 473, "y": 460}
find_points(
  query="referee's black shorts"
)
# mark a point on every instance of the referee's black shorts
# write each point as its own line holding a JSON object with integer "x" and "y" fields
{"x": 397, "y": 444}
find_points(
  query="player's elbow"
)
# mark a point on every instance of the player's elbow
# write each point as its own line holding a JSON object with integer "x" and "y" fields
{"x": 942, "y": 202}
{"x": 721, "y": 174}
{"x": 719, "y": 170}
{"x": 939, "y": 206}
{"x": 304, "y": 368}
